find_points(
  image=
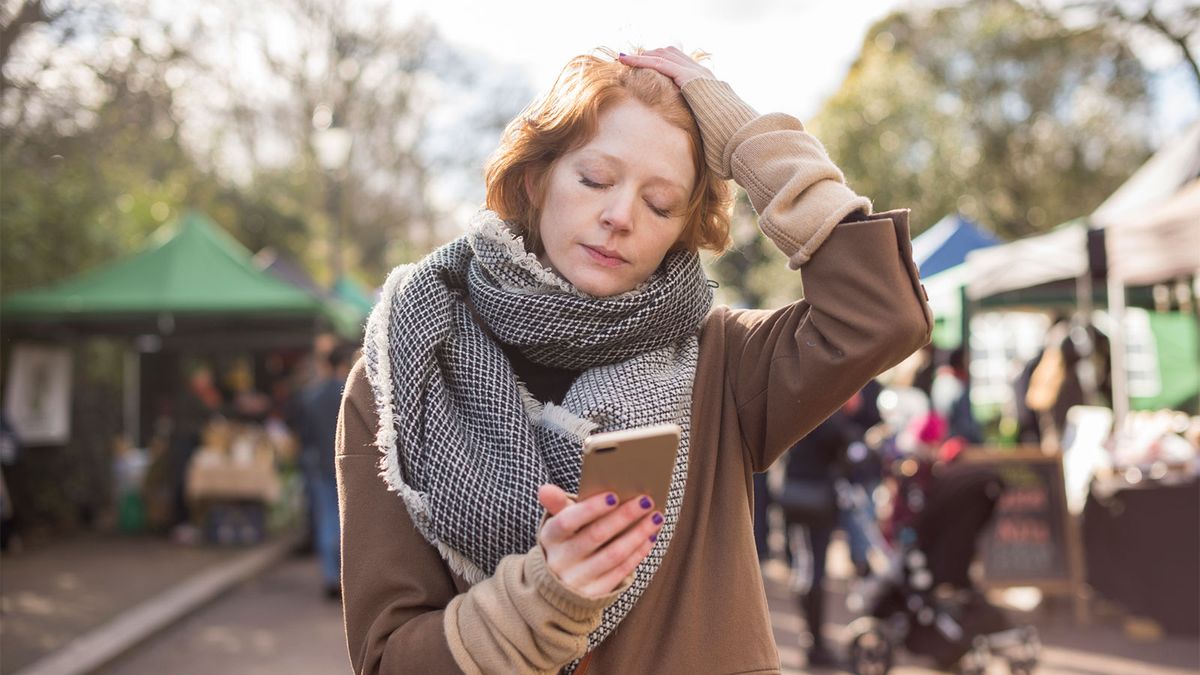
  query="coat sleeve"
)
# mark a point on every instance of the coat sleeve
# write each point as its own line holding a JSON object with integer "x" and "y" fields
{"x": 405, "y": 612}
{"x": 864, "y": 308}
{"x": 864, "y": 311}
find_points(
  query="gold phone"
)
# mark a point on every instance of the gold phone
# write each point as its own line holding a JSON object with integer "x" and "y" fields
{"x": 631, "y": 463}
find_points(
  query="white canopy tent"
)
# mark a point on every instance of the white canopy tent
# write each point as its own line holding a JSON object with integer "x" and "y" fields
{"x": 1160, "y": 244}
{"x": 1059, "y": 254}
{"x": 1152, "y": 225}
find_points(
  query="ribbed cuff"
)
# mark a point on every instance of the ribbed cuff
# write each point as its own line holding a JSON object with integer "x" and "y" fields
{"x": 719, "y": 112}
{"x": 835, "y": 199}
{"x": 575, "y": 606}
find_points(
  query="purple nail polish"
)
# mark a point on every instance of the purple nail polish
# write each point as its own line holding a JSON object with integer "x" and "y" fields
{"x": 657, "y": 519}
{"x": 653, "y": 538}
{"x": 645, "y": 502}
{"x": 620, "y": 54}
{"x": 611, "y": 500}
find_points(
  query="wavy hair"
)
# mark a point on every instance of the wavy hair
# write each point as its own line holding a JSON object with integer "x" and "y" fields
{"x": 567, "y": 117}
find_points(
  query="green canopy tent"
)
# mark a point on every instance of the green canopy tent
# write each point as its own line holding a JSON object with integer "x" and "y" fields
{"x": 192, "y": 281}
{"x": 354, "y": 294}
{"x": 193, "y": 287}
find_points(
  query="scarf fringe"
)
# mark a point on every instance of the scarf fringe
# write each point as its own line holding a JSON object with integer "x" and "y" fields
{"x": 379, "y": 374}
{"x": 555, "y": 417}
{"x": 497, "y": 230}
{"x": 564, "y": 421}
{"x": 461, "y": 565}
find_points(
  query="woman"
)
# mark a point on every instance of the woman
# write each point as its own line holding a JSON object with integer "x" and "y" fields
{"x": 576, "y": 304}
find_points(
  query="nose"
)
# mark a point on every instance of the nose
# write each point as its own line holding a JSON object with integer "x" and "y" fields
{"x": 618, "y": 211}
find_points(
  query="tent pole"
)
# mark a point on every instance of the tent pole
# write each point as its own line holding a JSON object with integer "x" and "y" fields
{"x": 1120, "y": 375}
{"x": 132, "y": 387}
{"x": 1086, "y": 368}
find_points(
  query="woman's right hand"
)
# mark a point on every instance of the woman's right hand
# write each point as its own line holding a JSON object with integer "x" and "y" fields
{"x": 578, "y": 538}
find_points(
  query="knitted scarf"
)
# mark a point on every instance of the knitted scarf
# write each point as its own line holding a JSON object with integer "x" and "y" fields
{"x": 466, "y": 445}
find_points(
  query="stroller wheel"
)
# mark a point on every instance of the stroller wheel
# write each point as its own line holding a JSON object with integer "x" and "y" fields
{"x": 1021, "y": 667}
{"x": 975, "y": 661}
{"x": 870, "y": 650}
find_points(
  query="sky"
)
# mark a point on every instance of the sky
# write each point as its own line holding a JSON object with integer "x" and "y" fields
{"x": 779, "y": 55}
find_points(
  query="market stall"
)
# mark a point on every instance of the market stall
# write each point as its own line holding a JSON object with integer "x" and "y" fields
{"x": 192, "y": 301}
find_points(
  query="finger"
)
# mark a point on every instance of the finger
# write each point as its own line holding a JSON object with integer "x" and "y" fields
{"x": 603, "y": 561}
{"x": 606, "y": 582}
{"x": 654, "y": 62}
{"x": 553, "y": 498}
{"x": 574, "y": 517}
{"x": 603, "y": 530}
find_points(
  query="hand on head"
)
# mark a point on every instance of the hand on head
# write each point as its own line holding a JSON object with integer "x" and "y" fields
{"x": 581, "y": 539}
{"x": 669, "y": 61}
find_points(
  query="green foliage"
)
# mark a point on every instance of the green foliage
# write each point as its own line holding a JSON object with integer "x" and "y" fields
{"x": 73, "y": 201}
{"x": 753, "y": 273}
{"x": 990, "y": 109}
{"x": 116, "y": 116}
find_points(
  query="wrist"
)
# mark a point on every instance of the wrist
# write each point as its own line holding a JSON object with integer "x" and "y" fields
{"x": 719, "y": 113}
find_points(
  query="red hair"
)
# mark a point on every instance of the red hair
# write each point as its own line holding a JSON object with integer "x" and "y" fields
{"x": 568, "y": 117}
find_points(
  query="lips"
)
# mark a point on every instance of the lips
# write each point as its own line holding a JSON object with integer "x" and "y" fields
{"x": 604, "y": 256}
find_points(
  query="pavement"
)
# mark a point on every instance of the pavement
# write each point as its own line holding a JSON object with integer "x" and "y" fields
{"x": 130, "y": 605}
{"x": 71, "y": 605}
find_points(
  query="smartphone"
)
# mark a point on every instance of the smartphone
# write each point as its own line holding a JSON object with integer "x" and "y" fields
{"x": 631, "y": 463}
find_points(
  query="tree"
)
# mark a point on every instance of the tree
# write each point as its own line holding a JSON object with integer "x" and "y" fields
{"x": 287, "y": 68}
{"x": 1175, "y": 21}
{"x": 753, "y": 273}
{"x": 118, "y": 114}
{"x": 991, "y": 109}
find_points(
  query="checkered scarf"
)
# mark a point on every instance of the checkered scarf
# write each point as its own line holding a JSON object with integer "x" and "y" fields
{"x": 464, "y": 442}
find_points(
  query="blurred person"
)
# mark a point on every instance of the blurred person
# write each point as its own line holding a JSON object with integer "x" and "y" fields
{"x": 1054, "y": 384}
{"x": 813, "y": 463}
{"x": 927, "y": 370}
{"x": 320, "y": 404}
{"x": 1028, "y": 428}
{"x": 950, "y": 396}
{"x": 198, "y": 404}
{"x": 575, "y": 304}
{"x": 864, "y": 472}
{"x": 10, "y": 450}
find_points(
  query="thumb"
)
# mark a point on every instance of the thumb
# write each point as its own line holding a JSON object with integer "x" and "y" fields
{"x": 553, "y": 498}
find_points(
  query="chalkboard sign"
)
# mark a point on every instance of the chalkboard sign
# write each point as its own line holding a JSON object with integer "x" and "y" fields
{"x": 1031, "y": 540}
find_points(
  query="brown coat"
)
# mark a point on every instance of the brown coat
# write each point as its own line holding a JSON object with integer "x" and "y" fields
{"x": 764, "y": 379}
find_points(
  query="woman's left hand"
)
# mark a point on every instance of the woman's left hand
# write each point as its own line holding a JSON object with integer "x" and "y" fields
{"x": 669, "y": 61}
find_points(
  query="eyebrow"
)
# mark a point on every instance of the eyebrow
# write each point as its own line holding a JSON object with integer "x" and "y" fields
{"x": 599, "y": 154}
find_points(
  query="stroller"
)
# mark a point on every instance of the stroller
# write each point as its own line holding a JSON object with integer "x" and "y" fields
{"x": 924, "y": 601}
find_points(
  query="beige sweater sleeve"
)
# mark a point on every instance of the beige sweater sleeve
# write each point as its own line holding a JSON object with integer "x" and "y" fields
{"x": 797, "y": 191}
{"x": 522, "y": 619}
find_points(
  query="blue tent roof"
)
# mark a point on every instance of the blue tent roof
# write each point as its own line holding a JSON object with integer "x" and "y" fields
{"x": 947, "y": 243}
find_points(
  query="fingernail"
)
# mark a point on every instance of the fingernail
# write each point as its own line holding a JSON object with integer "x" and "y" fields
{"x": 611, "y": 500}
{"x": 657, "y": 519}
{"x": 645, "y": 502}
{"x": 653, "y": 537}
{"x": 620, "y": 54}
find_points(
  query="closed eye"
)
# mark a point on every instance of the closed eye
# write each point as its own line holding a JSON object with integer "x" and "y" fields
{"x": 661, "y": 213}
{"x": 591, "y": 183}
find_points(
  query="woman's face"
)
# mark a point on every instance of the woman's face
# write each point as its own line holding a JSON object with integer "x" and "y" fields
{"x": 614, "y": 207}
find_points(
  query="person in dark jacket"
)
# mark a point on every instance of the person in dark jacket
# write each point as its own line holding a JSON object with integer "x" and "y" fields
{"x": 320, "y": 403}
{"x": 816, "y": 458}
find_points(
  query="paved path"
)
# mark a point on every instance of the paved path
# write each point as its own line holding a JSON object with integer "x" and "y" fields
{"x": 277, "y": 623}
{"x": 56, "y": 593}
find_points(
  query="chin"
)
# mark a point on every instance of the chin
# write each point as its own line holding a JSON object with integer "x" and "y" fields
{"x": 600, "y": 288}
